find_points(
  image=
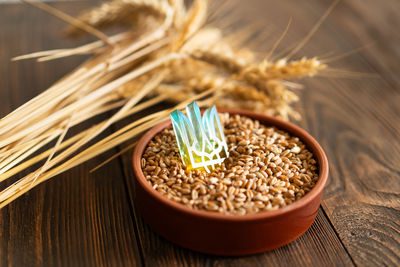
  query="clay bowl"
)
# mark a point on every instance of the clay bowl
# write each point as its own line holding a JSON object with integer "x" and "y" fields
{"x": 221, "y": 234}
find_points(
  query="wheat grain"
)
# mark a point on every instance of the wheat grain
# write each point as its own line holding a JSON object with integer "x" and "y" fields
{"x": 266, "y": 174}
{"x": 122, "y": 11}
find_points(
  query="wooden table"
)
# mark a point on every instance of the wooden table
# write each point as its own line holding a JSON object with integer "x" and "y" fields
{"x": 89, "y": 219}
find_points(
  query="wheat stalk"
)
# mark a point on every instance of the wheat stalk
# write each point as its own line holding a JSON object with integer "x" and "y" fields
{"x": 177, "y": 57}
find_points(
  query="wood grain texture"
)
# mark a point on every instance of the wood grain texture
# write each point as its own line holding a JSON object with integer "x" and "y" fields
{"x": 76, "y": 219}
{"x": 357, "y": 121}
{"x": 87, "y": 219}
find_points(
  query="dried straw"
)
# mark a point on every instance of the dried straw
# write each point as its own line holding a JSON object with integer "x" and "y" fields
{"x": 168, "y": 52}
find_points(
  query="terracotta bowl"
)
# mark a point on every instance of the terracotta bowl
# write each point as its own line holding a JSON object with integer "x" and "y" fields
{"x": 221, "y": 234}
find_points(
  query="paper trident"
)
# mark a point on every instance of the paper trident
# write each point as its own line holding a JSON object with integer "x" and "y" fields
{"x": 201, "y": 141}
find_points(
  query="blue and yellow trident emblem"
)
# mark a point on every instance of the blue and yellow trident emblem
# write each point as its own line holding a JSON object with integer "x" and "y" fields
{"x": 201, "y": 140}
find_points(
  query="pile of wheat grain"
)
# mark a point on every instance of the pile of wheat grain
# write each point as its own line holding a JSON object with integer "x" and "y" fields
{"x": 267, "y": 169}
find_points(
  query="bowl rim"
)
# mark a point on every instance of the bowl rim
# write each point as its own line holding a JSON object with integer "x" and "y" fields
{"x": 293, "y": 129}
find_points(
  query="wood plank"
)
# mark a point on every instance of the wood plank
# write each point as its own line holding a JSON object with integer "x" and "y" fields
{"x": 357, "y": 122}
{"x": 369, "y": 22}
{"x": 77, "y": 218}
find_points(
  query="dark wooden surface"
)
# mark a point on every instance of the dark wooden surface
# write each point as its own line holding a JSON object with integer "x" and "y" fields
{"x": 82, "y": 219}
